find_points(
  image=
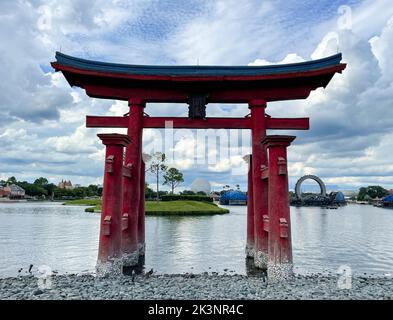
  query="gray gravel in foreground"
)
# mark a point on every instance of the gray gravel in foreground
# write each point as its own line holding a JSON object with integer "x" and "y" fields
{"x": 194, "y": 287}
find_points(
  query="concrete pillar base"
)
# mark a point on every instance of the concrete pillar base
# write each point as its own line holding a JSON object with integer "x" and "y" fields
{"x": 109, "y": 268}
{"x": 141, "y": 249}
{"x": 260, "y": 259}
{"x": 250, "y": 251}
{"x": 279, "y": 272}
{"x": 130, "y": 259}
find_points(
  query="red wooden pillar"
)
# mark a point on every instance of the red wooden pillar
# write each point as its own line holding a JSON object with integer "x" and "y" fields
{"x": 131, "y": 185}
{"x": 280, "y": 264}
{"x": 109, "y": 251}
{"x": 141, "y": 213}
{"x": 250, "y": 250}
{"x": 260, "y": 190}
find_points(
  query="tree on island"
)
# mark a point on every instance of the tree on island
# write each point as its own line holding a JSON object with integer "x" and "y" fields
{"x": 173, "y": 177}
{"x": 157, "y": 166}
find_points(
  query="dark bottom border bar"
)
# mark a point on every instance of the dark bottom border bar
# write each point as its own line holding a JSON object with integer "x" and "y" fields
{"x": 185, "y": 309}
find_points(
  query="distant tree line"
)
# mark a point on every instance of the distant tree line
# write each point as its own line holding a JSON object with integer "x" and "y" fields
{"x": 41, "y": 188}
{"x": 371, "y": 192}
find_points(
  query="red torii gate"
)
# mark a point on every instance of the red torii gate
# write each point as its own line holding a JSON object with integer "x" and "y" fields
{"x": 268, "y": 223}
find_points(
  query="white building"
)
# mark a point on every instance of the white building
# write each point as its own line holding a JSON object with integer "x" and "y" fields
{"x": 201, "y": 185}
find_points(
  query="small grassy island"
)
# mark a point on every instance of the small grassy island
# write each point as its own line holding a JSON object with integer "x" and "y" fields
{"x": 163, "y": 208}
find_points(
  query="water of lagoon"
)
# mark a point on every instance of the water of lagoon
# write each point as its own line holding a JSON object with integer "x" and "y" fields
{"x": 65, "y": 238}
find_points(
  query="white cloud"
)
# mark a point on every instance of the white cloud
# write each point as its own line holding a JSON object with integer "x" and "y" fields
{"x": 382, "y": 48}
{"x": 119, "y": 108}
{"x": 227, "y": 164}
{"x": 290, "y": 58}
{"x": 81, "y": 141}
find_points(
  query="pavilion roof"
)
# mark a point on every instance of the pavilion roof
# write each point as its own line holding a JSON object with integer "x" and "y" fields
{"x": 63, "y": 60}
{"x": 219, "y": 84}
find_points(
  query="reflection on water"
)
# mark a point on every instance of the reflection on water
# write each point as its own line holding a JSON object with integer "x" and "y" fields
{"x": 62, "y": 237}
{"x": 355, "y": 235}
{"x": 66, "y": 239}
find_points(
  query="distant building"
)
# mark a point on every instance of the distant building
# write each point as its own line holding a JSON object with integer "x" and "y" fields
{"x": 64, "y": 184}
{"x": 12, "y": 191}
{"x": 388, "y": 201}
{"x": 4, "y": 192}
{"x": 337, "y": 197}
{"x": 350, "y": 193}
{"x": 17, "y": 192}
{"x": 200, "y": 185}
{"x": 233, "y": 197}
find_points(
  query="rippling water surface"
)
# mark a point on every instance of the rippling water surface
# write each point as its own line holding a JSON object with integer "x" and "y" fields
{"x": 65, "y": 238}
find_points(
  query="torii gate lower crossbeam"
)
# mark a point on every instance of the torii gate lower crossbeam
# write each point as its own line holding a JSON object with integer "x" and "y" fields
{"x": 208, "y": 123}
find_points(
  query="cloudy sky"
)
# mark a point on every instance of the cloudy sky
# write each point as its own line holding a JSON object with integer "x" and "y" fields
{"x": 42, "y": 130}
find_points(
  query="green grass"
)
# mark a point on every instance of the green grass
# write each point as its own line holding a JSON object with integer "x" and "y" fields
{"x": 179, "y": 207}
{"x": 83, "y": 202}
{"x": 182, "y": 207}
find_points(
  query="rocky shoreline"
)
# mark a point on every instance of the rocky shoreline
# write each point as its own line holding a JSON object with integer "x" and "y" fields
{"x": 192, "y": 286}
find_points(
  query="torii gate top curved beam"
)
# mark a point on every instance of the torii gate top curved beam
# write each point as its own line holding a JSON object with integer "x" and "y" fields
{"x": 219, "y": 84}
